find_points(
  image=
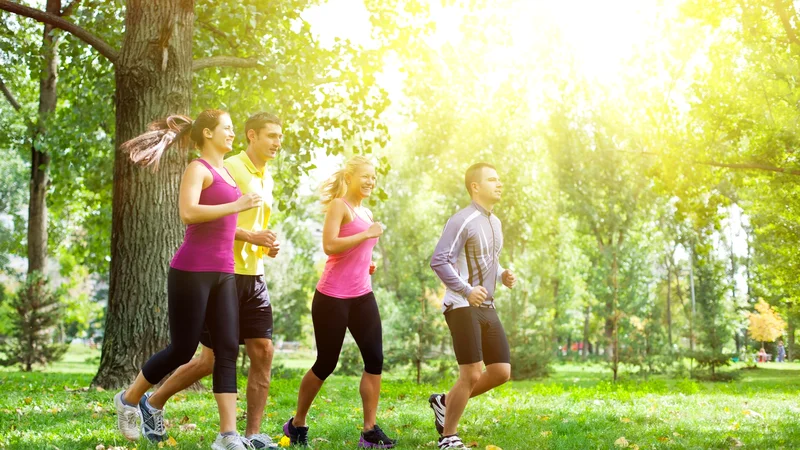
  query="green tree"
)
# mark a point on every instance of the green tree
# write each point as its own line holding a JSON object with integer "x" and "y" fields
{"x": 38, "y": 311}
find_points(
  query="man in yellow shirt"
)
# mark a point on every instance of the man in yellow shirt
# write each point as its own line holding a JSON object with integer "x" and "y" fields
{"x": 253, "y": 240}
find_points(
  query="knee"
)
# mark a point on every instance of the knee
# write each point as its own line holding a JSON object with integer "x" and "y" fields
{"x": 205, "y": 362}
{"x": 373, "y": 364}
{"x": 503, "y": 374}
{"x": 500, "y": 373}
{"x": 323, "y": 368}
{"x": 471, "y": 376}
{"x": 260, "y": 352}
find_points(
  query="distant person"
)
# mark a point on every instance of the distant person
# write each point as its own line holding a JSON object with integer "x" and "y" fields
{"x": 762, "y": 355}
{"x": 781, "y": 352}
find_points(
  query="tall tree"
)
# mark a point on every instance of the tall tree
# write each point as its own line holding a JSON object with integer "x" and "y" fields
{"x": 153, "y": 72}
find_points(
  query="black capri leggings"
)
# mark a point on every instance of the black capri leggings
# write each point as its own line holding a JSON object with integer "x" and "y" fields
{"x": 196, "y": 298}
{"x": 332, "y": 316}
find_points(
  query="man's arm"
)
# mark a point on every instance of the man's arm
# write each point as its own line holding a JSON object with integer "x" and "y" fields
{"x": 445, "y": 256}
{"x": 263, "y": 238}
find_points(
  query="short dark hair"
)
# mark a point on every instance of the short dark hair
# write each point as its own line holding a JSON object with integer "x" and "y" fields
{"x": 258, "y": 121}
{"x": 473, "y": 175}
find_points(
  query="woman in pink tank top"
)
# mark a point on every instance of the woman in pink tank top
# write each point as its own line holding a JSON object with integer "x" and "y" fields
{"x": 344, "y": 299}
{"x": 201, "y": 289}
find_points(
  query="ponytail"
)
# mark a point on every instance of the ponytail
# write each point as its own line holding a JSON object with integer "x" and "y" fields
{"x": 335, "y": 186}
{"x": 148, "y": 148}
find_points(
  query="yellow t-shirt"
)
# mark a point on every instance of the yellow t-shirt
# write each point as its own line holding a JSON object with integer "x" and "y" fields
{"x": 248, "y": 257}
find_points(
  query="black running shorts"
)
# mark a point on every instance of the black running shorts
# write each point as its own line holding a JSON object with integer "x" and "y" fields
{"x": 255, "y": 310}
{"x": 478, "y": 336}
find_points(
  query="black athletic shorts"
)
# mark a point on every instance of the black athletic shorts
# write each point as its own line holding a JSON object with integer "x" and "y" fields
{"x": 255, "y": 310}
{"x": 478, "y": 336}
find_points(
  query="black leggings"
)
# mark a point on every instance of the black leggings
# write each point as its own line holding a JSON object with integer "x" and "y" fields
{"x": 196, "y": 298}
{"x": 332, "y": 317}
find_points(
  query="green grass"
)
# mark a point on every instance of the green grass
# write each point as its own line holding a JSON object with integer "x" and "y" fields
{"x": 576, "y": 408}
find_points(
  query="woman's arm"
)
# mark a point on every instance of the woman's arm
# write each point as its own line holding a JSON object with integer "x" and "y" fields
{"x": 331, "y": 242}
{"x": 195, "y": 178}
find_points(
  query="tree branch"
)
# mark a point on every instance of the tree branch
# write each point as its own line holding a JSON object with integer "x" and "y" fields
{"x": 56, "y": 21}
{"x": 223, "y": 61}
{"x": 216, "y": 31}
{"x": 10, "y": 97}
{"x": 742, "y": 166}
{"x": 70, "y": 8}
{"x": 787, "y": 25}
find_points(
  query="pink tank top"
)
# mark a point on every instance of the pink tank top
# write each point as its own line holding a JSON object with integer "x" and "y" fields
{"x": 346, "y": 274}
{"x": 208, "y": 246}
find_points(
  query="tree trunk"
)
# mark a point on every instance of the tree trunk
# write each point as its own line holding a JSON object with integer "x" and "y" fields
{"x": 154, "y": 79}
{"x": 40, "y": 160}
{"x": 669, "y": 308}
{"x": 556, "y": 314}
{"x": 586, "y": 316}
{"x": 615, "y": 300}
{"x": 790, "y": 331}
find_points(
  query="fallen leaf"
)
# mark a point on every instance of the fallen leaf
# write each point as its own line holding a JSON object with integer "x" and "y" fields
{"x": 634, "y": 447}
{"x": 751, "y": 413}
{"x": 28, "y": 400}
{"x": 733, "y": 442}
{"x": 621, "y": 442}
{"x": 472, "y": 444}
{"x": 663, "y": 439}
{"x": 171, "y": 442}
{"x": 320, "y": 440}
{"x": 100, "y": 447}
{"x": 544, "y": 418}
{"x": 99, "y": 389}
{"x": 185, "y": 420}
{"x": 493, "y": 447}
{"x": 188, "y": 427}
{"x": 625, "y": 420}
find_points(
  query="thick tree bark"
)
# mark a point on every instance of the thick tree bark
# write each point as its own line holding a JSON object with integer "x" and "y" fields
{"x": 154, "y": 78}
{"x": 40, "y": 160}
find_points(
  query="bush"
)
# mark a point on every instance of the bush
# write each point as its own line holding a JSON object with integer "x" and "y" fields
{"x": 350, "y": 362}
{"x": 37, "y": 312}
{"x": 529, "y": 361}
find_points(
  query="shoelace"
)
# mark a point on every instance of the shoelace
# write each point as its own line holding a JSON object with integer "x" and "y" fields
{"x": 452, "y": 442}
{"x": 129, "y": 418}
{"x": 158, "y": 421}
{"x": 247, "y": 443}
{"x": 382, "y": 437}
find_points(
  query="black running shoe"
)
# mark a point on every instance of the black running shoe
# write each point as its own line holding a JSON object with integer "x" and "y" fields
{"x": 437, "y": 405}
{"x": 297, "y": 435}
{"x": 375, "y": 438}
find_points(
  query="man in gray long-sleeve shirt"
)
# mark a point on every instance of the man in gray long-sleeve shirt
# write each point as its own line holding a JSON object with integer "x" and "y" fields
{"x": 466, "y": 259}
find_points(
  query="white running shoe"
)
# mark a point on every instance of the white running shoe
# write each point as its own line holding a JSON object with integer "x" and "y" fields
{"x": 231, "y": 442}
{"x": 127, "y": 418}
{"x": 260, "y": 441}
{"x": 451, "y": 442}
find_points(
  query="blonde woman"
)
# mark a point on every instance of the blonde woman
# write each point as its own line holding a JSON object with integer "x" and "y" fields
{"x": 344, "y": 299}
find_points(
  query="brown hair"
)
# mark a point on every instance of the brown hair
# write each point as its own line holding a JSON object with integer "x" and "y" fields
{"x": 258, "y": 121}
{"x": 147, "y": 148}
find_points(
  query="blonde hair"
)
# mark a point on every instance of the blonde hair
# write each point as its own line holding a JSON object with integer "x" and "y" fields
{"x": 335, "y": 186}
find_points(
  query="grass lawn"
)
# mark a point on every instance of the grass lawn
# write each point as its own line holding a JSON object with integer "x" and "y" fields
{"x": 576, "y": 408}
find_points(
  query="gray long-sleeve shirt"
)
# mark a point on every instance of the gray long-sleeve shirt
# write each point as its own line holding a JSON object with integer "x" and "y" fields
{"x": 468, "y": 255}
